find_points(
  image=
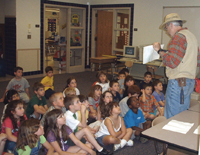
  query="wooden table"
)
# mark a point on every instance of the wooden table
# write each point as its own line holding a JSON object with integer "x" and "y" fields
{"x": 103, "y": 60}
{"x": 188, "y": 141}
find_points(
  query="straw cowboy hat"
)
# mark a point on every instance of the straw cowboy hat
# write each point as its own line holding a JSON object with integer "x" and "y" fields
{"x": 170, "y": 18}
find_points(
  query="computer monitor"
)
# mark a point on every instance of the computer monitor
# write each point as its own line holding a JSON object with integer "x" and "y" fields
{"x": 130, "y": 51}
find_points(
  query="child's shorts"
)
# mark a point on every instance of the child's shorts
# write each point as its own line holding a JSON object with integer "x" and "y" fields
{"x": 100, "y": 141}
{"x": 154, "y": 113}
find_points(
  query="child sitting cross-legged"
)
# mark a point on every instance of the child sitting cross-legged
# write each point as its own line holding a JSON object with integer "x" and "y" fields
{"x": 30, "y": 137}
{"x": 147, "y": 101}
{"x": 113, "y": 129}
{"x": 58, "y": 135}
{"x": 134, "y": 118}
{"x": 38, "y": 104}
{"x": 73, "y": 104}
{"x": 56, "y": 101}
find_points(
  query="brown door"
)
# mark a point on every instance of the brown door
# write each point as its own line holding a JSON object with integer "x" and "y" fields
{"x": 104, "y": 33}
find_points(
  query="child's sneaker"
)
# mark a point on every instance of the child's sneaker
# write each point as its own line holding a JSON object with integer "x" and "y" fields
{"x": 143, "y": 140}
{"x": 116, "y": 147}
{"x": 130, "y": 143}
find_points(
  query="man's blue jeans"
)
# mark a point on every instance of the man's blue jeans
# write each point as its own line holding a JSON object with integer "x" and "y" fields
{"x": 172, "y": 101}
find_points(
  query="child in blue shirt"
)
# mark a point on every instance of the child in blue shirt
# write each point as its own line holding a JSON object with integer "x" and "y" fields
{"x": 134, "y": 118}
{"x": 159, "y": 96}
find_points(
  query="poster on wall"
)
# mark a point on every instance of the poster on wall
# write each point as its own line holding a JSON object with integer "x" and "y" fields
{"x": 52, "y": 25}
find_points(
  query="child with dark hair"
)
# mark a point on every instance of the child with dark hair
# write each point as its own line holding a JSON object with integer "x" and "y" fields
{"x": 57, "y": 134}
{"x": 129, "y": 81}
{"x": 14, "y": 115}
{"x": 160, "y": 98}
{"x": 103, "y": 81}
{"x": 147, "y": 79}
{"x": 106, "y": 98}
{"x": 147, "y": 101}
{"x": 11, "y": 95}
{"x": 114, "y": 88}
{"x": 38, "y": 104}
{"x": 113, "y": 129}
{"x": 20, "y": 84}
{"x": 94, "y": 99}
{"x": 71, "y": 82}
{"x": 134, "y": 118}
{"x": 30, "y": 136}
{"x": 132, "y": 91}
{"x": 47, "y": 81}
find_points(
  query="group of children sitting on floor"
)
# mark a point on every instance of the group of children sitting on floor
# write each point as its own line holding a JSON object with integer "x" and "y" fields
{"x": 114, "y": 113}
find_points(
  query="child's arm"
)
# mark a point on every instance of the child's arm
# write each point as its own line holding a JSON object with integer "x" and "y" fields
{"x": 10, "y": 137}
{"x": 27, "y": 92}
{"x": 83, "y": 122}
{"x": 112, "y": 132}
{"x": 98, "y": 114}
{"x": 92, "y": 110}
{"x": 46, "y": 107}
{"x": 162, "y": 103}
{"x": 143, "y": 95}
{"x": 39, "y": 109}
{"x": 123, "y": 129}
{"x": 48, "y": 147}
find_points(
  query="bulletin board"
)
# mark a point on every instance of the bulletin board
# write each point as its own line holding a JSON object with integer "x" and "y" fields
{"x": 190, "y": 14}
{"x": 52, "y": 25}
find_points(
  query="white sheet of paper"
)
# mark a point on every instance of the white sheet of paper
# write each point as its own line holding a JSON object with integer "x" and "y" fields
{"x": 178, "y": 126}
{"x": 149, "y": 54}
{"x": 197, "y": 130}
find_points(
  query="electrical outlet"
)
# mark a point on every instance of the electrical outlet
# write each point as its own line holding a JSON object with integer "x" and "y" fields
{"x": 28, "y": 36}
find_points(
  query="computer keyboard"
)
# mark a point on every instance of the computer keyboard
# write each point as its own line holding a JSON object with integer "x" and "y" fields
{"x": 127, "y": 59}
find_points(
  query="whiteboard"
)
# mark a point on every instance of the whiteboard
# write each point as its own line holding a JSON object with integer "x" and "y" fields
{"x": 190, "y": 14}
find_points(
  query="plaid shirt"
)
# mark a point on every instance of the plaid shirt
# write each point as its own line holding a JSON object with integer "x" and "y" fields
{"x": 176, "y": 51}
{"x": 147, "y": 106}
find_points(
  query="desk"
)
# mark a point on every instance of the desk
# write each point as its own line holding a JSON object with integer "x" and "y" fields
{"x": 103, "y": 60}
{"x": 194, "y": 106}
{"x": 187, "y": 141}
{"x": 138, "y": 69}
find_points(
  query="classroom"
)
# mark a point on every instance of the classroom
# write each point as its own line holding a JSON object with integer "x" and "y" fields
{"x": 66, "y": 35}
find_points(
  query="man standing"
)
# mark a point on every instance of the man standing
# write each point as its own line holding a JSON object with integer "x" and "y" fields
{"x": 181, "y": 61}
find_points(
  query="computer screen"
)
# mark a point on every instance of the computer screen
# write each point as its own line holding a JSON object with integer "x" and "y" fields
{"x": 130, "y": 51}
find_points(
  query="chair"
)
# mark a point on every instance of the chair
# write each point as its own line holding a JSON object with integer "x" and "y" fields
{"x": 153, "y": 69}
{"x": 156, "y": 121}
{"x": 129, "y": 65}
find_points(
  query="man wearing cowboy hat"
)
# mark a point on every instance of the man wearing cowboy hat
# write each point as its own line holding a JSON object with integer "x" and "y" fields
{"x": 181, "y": 62}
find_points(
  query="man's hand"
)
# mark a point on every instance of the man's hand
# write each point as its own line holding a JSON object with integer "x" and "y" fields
{"x": 156, "y": 46}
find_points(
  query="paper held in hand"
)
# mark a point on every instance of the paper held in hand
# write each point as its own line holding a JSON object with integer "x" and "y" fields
{"x": 149, "y": 54}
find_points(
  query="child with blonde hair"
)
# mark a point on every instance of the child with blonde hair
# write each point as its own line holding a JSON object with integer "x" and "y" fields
{"x": 57, "y": 102}
{"x": 71, "y": 82}
{"x": 30, "y": 137}
{"x": 69, "y": 91}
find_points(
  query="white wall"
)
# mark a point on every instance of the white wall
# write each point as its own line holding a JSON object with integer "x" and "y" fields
{"x": 148, "y": 16}
{"x": 28, "y": 13}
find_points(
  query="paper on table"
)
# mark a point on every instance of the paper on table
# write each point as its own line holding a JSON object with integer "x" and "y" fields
{"x": 178, "y": 126}
{"x": 149, "y": 54}
{"x": 197, "y": 130}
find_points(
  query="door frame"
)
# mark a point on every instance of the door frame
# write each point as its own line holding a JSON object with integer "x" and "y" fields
{"x": 68, "y": 6}
{"x": 93, "y": 24}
